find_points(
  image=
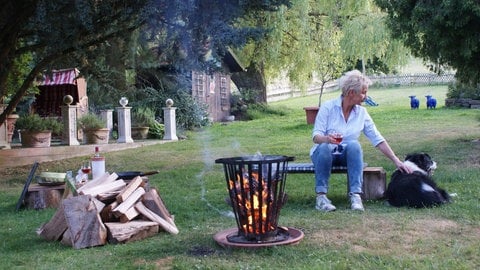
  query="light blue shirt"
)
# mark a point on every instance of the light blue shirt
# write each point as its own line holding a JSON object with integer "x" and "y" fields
{"x": 330, "y": 116}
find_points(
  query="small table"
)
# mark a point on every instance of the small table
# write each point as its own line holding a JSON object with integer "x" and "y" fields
{"x": 43, "y": 196}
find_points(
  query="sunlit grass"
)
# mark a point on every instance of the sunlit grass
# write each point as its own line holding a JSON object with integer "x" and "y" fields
{"x": 193, "y": 187}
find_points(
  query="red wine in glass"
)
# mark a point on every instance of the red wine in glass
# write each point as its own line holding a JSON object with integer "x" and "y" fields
{"x": 86, "y": 168}
{"x": 338, "y": 137}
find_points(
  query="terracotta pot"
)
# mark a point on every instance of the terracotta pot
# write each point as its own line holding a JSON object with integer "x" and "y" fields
{"x": 140, "y": 133}
{"x": 36, "y": 138}
{"x": 96, "y": 136}
{"x": 311, "y": 113}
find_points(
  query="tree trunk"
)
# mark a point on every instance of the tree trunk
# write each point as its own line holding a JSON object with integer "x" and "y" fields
{"x": 321, "y": 93}
{"x": 251, "y": 79}
{"x": 84, "y": 222}
{"x": 363, "y": 64}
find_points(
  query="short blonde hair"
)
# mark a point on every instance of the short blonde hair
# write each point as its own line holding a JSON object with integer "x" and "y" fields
{"x": 353, "y": 80}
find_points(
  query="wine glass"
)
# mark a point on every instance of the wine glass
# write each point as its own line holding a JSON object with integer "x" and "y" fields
{"x": 86, "y": 168}
{"x": 338, "y": 137}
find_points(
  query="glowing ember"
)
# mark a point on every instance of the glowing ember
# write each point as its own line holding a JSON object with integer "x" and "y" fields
{"x": 256, "y": 188}
{"x": 252, "y": 203}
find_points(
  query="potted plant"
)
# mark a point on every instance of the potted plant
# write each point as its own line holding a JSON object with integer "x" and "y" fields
{"x": 94, "y": 130}
{"x": 36, "y": 131}
{"x": 142, "y": 119}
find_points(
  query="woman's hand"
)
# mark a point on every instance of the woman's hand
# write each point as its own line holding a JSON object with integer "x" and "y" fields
{"x": 319, "y": 139}
{"x": 403, "y": 168}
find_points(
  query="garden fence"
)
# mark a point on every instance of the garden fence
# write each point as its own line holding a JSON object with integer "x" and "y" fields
{"x": 282, "y": 89}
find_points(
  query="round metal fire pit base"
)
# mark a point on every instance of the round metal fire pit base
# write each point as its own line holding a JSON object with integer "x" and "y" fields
{"x": 294, "y": 236}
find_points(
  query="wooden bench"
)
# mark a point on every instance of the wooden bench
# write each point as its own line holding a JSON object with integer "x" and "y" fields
{"x": 374, "y": 178}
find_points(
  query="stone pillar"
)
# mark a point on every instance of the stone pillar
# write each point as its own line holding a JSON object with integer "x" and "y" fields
{"x": 169, "y": 121}
{"x": 69, "y": 118}
{"x": 3, "y": 132}
{"x": 124, "y": 125}
{"x": 107, "y": 116}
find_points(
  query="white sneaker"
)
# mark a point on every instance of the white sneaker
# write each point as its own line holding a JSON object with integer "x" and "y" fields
{"x": 324, "y": 204}
{"x": 356, "y": 202}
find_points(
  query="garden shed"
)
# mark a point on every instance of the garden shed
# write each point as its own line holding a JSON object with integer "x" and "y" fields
{"x": 214, "y": 89}
{"x": 55, "y": 86}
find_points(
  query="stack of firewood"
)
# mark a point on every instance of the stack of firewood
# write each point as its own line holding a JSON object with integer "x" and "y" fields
{"x": 110, "y": 210}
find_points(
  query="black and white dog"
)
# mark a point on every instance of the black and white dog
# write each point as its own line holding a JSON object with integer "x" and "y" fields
{"x": 418, "y": 188}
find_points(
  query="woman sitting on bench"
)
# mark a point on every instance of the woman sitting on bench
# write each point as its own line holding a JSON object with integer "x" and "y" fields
{"x": 348, "y": 119}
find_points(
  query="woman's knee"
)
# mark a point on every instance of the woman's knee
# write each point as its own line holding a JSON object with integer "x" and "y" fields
{"x": 354, "y": 149}
{"x": 322, "y": 153}
{"x": 354, "y": 146}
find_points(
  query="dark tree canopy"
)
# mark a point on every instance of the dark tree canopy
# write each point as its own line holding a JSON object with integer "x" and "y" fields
{"x": 54, "y": 33}
{"x": 443, "y": 32}
{"x": 38, "y": 35}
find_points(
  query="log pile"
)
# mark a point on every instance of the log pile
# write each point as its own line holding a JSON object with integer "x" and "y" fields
{"x": 107, "y": 210}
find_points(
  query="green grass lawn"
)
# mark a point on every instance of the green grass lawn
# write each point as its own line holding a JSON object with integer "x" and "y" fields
{"x": 193, "y": 188}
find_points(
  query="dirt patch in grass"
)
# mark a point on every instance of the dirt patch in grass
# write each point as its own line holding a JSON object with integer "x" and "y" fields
{"x": 395, "y": 237}
{"x": 160, "y": 264}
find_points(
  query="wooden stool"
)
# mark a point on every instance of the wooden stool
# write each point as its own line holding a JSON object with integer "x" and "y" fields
{"x": 40, "y": 197}
{"x": 374, "y": 183}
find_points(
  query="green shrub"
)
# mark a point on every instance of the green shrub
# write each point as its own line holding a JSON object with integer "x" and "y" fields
{"x": 90, "y": 121}
{"x": 156, "y": 131}
{"x": 33, "y": 122}
{"x": 461, "y": 90}
{"x": 143, "y": 117}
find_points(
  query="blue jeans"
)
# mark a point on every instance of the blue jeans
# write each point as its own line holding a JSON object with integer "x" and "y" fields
{"x": 323, "y": 160}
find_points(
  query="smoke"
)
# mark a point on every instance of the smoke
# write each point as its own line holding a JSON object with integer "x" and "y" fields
{"x": 208, "y": 163}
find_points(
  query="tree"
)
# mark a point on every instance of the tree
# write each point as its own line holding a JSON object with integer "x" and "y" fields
{"x": 330, "y": 65}
{"x": 441, "y": 32}
{"x": 326, "y": 36}
{"x": 312, "y": 40}
{"x": 366, "y": 37}
{"x": 60, "y": 34}
{"x": 57, "y": 34}
{"x": 302, "y": 42}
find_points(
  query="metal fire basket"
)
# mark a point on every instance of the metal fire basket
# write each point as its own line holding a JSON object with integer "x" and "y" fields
{"x": 256, "y": 188}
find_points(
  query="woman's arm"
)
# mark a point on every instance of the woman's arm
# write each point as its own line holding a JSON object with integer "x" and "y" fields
{"x": 385, "y": 148}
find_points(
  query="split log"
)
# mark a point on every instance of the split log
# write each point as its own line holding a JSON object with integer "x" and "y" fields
{"x": 154, "y": 217}
{"x": 84, "y": 223}
{"x": 154, "y": 202}
{"x": 130, "y": 214}
{"x": 108, "y": 196}
{"x": 67, "y": 238}
{"x": 93, "y": 183}
{"x": 98, "y": 204}
{"x": 104, "y": 179}
{"x": 107, "y": 213}
{"x": 130, "y": 188}
{"x": 129, "y": 202}
{"x": 55, "y": 228}
{"x": 104, "y": 188}
{"x": 131, "y": 231}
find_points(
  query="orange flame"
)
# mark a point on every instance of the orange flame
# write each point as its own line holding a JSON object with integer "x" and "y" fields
{"x": 252, "y": 218}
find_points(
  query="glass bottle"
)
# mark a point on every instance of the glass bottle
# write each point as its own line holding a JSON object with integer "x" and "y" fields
{"x": 98, "y": 164}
